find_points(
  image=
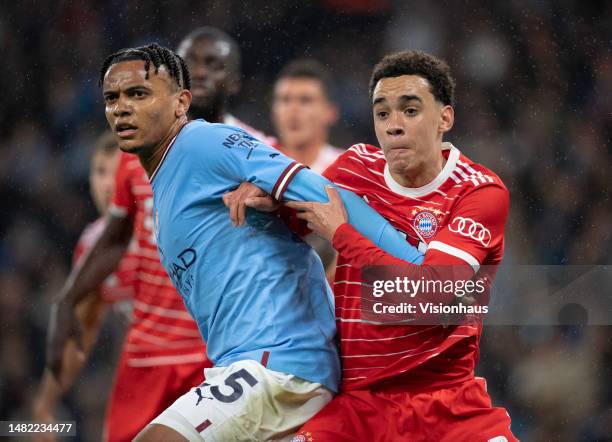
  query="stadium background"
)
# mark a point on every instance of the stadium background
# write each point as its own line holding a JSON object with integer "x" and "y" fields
{"x": 534, "y": 88}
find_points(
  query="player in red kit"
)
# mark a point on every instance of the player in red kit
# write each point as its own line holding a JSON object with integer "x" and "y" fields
{"x": 410, "y": 382}
{"x": 115, "y": 292}
{"x": 163, "y": 355}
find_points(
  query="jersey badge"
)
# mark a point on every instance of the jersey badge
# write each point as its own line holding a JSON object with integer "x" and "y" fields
{"x": 426, "y": 223}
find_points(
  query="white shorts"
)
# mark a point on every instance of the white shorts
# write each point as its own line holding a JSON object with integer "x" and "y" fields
{"x": 244, "y": 402}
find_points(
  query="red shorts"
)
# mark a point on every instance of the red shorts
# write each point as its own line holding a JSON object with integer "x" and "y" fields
{"x": 462, "y": 413}
{"x": 140, "y": 394}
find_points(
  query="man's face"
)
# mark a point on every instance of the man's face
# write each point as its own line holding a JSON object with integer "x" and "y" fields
{"x": 301, "y": 112}
{"x": 102, "y": 178}
{"x": 140, "y": 111}
{"x": 212, "y": 78}
{"x": 409, "y": 122}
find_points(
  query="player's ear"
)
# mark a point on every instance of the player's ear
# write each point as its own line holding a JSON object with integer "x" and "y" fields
{"x": 447, "y": 119}
{"x": 184, "y": 101}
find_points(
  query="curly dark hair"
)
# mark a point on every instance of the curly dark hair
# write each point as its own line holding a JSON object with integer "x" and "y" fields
{"x": 432, "y": 69}
{"x": 155, "y": 55}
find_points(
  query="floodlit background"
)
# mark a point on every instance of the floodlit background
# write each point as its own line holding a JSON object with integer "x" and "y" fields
{"x": 534, "y": 104}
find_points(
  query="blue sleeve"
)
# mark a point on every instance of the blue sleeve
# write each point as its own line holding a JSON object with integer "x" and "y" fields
{"x": 230, "y": 153}
{"x": 236, "y": 155}
{"x": 310, "y": 186}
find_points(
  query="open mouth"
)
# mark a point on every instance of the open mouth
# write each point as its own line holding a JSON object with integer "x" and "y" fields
{"x": 125, "y": 130}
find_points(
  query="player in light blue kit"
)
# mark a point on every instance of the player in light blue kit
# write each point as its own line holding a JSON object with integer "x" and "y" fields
{"x": 258, "y": 293}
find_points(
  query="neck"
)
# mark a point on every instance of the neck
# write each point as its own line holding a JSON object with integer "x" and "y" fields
{"x": 423, "y": 175}
{"x": 305, "y": 154}
{"x": 151, "y": 159}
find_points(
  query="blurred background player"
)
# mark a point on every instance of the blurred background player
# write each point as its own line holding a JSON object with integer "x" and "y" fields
{"x": 163, "y": 353}
{"x": 303, "y": 114}
{"x": 213, "y": 59}
{"x": 116, "y": 290}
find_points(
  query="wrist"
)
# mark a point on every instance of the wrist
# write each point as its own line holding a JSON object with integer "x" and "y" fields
{"x": 340, "y": 235}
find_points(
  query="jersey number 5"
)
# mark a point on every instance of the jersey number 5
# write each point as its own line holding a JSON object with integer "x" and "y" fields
{"x": 232, "y": 382}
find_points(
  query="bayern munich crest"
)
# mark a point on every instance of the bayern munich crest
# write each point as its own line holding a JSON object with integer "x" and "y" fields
{"x": 426, "y": 223}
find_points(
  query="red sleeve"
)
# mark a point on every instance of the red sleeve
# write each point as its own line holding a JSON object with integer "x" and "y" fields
{"x": 123, "y": 202}
{"x": 296, "y": 225}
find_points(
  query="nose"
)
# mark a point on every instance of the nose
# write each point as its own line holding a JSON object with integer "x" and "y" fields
{"x": 394, "y": 126}
{"x": 198, "y": 71}
{"x": 122, "y": 107}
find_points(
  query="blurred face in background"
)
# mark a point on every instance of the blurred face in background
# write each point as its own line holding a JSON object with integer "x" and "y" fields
{"x": 142, "y": 111}
{"x": 409, "y": 123}
{"x": 102, "y": 178}
{"x": 213, "y": 79}
{"x": 301, "y": 112}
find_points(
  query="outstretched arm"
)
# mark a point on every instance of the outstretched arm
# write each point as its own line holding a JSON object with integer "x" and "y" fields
{"x": 83, "y": 280}
{"x": 90, "y": 313}
{"x": 234, "y": 154}
{"x": 486, "y": 207}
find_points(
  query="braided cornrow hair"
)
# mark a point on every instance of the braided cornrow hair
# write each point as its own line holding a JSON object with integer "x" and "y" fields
{"x": 151, "y": 54}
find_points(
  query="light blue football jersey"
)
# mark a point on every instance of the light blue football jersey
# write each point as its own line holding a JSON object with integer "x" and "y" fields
{"x": 256, "y": 289}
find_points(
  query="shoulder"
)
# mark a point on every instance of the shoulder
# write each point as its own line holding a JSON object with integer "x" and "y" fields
{"x": 481, "y": 189}
{"x": 233, "y": 121}
{"x": 472, "y": 175}
{"x": 366, "y": 154}
{"x": 197, "y": 133}
{"x": 366, "y": 150}
{"x": 359, "y": 160}
{"x": 363, "y": 156}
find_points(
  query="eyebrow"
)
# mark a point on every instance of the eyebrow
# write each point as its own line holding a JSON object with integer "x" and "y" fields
{"x": 128, "y": 90}
{"x": 402, "y": 99}
{"x": 405, "y": 98}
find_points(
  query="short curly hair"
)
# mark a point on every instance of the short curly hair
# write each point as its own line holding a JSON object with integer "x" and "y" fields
{"x": 432, "y": 69}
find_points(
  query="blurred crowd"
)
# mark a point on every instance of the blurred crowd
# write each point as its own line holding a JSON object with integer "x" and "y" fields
{"x": 534, "y": 104}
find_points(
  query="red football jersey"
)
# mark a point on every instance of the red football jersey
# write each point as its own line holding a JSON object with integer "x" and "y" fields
{"x": 458, "y": 218}
{"x": 161, "y": 331}
{"x": 119, "y": 286}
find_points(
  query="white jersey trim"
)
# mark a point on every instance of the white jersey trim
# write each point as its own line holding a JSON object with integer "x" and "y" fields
{"x": 454, "y": 251}
{"x": 444, "y": 175}
{"x": 116, "y": 211}
{"x": 165, "y": 153}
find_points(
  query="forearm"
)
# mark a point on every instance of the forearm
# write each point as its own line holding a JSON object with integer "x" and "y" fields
{"x": 103, "y": 259}
{"x": 308, "y": 186}
{"x": 90, "y": 312}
